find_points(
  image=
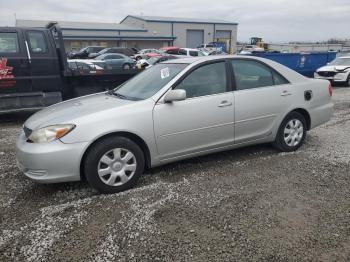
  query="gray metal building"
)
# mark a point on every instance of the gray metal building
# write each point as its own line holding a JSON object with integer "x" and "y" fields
{"x": 144, "y": 32}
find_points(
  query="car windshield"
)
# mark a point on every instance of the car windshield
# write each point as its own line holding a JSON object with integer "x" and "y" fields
{"x": 149, "y": 82}
{"x": 83, "y": 49}
{"x": 103, "y": 51}
{"x": 341, "y": 61}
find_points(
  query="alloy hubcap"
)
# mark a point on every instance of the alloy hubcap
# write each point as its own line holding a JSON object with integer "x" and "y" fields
{"x": 117, "y": 166}
{"x": 293, "y": 132}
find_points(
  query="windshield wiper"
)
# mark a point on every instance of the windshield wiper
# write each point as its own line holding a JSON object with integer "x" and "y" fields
{"x": 120, "y": 96}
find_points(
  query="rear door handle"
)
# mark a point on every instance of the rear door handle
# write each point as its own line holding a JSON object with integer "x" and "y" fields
{"x": 285, "y": 93}
{"x": 225, "y": 103}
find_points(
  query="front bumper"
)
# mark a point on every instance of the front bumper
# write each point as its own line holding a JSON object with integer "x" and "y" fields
{"x": 52, "y": 162}
{"x": 339, "y": 77}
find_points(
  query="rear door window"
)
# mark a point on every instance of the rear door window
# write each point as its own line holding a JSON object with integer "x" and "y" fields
{"x": 117, "y": 57}
{"x": 251, "y": 74}
{"x": 193, "y": 53}
{"x": 9, "y": 43}
{"x": 278, "y": 79}
{"x": 37, "y": 42}
{"x": 172, "y": 51}
{"x": 182, "y": 52}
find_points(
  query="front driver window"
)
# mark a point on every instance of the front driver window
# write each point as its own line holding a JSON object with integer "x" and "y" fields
{"x": 206, "y": 80}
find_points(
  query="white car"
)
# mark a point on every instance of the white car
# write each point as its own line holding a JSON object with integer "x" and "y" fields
{"x": 190, "y": 52}
{"x": 338, "y": 71}
{"x": 90, "y": 65}
{"x": 248, "y": 49}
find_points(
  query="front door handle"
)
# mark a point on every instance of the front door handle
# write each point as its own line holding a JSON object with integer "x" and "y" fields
{"x": 225, "y": 103}
{"x": 285, "y": 93}
{"x": 23, "y": 63}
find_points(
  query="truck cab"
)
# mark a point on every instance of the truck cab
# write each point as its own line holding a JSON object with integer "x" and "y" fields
{"x": 34, "y": 70}
{"x": 29, "y": 68}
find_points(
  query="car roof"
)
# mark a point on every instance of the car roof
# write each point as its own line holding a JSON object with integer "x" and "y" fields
{"x": 290, "y": 74}
{"x": 193, "y": 59}
{"x": 109, "y": 54}
{"x": 190, "y": 49}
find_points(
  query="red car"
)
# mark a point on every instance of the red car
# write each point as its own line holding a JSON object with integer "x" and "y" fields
{"x": 149, "y": 55}
{"x": 171, "y": 50}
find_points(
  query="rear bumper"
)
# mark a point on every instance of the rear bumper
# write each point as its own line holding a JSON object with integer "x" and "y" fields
{"x": 321, "y": 114}
{"x": 49, "y": 162}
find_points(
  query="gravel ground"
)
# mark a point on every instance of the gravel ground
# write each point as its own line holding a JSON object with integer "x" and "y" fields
{"x": 247, "y": 204}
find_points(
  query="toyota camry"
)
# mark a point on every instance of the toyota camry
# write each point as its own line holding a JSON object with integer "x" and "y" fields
{"x": 175, "y": 110}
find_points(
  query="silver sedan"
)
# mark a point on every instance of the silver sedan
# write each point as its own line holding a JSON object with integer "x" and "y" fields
{"x": 175, "y": 110}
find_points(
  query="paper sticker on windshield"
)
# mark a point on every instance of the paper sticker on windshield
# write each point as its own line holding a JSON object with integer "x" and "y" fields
{"x": 164, "y": 73}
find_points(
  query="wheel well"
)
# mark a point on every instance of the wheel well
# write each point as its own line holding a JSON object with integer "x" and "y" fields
{"x": 138, "y": 140}
{"x": 306, "y": 115}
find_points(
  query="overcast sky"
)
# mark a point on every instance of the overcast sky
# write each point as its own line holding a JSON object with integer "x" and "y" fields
{"x": 274, "y": 20}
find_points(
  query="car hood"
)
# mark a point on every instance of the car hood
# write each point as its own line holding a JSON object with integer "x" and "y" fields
{"x": 69, "y": 111}
{"x": 332, "y": 68}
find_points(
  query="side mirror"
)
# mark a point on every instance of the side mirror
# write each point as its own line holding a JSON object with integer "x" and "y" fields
{"x": 175, "y": 95}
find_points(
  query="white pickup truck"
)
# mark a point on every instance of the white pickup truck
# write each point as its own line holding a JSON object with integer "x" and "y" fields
{"x": 189, "y": 52}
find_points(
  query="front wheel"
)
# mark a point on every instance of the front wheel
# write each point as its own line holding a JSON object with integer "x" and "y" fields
{"x": 114, "y": 164}
{"x": 348, "y": 81}
{"x": 126, "y": 66}
{"x": 291, "y": 133}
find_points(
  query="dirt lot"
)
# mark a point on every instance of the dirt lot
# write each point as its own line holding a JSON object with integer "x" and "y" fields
{"x": 247, "y": 204}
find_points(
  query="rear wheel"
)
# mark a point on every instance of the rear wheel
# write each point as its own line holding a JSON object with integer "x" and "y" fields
{"x": 291, "y": 133}
{"x": 114, "y": 164}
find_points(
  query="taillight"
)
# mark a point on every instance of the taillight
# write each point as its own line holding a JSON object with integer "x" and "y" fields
{"x": 330, "y": 89}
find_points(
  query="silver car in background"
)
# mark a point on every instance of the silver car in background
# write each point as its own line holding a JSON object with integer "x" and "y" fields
{"x": 175, "y": 110}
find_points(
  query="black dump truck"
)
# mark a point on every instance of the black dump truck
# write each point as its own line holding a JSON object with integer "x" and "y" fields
{"x": 34, "y": 70}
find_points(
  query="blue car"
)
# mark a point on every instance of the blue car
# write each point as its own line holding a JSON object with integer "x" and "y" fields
{"x": 116, "y": 61}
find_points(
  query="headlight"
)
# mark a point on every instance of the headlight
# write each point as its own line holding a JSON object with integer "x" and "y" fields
{"x": 50, "y": 133}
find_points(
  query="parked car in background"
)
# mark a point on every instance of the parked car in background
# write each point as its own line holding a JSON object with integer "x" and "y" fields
{"x": 190, "y": 52}
{"x": 337, "y": 71}
{"x": 85, "y": 52}
{"x": 118, "y": 50}
{"x": 206, "y": 46}
{"x": 86, "y": 65}
{"x": 214, "y": 51}
{"x": 146, "y": 53}
{"x": 147, "y": 63}
{"x": 172, "y": 111}
{"x": 116, "y": 61}
{"x": 171, "y": 50}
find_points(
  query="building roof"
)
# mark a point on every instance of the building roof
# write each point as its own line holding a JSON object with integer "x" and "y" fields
{"x": 68, "y": 25}
{"x": 180, "y": 20}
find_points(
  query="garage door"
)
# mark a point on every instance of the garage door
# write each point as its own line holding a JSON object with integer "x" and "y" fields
{"x": 223, "y": 34}
{"x": 194, "y": 38}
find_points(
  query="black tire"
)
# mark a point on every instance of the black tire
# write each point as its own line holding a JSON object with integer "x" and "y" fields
{"x": 92, "y": 160}
{"x": 347, "y": 83}
{"x": 126, "y": 66}
{"x": 280, "y": 142}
